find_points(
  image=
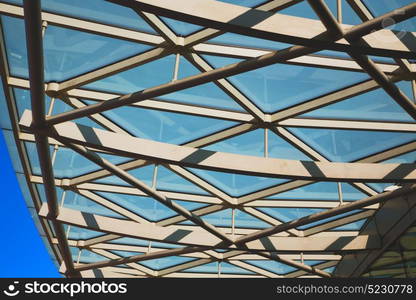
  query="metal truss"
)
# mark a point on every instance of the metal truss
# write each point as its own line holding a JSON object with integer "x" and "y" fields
{"x": 350, "y": 252}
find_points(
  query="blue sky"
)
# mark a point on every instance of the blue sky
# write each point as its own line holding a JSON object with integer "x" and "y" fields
{"x": 22, "y": 250}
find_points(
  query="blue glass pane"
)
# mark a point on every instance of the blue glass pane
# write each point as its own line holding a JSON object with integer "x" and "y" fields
{"x": 144, "y": 174}
{"x": 381, "y": 7}
{"x": 168, "y": 127}
{"x": 98, "y": 10}
{"x": 20, "y": 2}
{"x": 350, "y": 145}
{"x": 181, "y": 28}
{"x": 59, "y": 107}
{"x": 32, "y": 154}
{"x": 145, "y": 76}
{"x": 329, "y": 270}
{"x": 247, "y": 41}
{"x": 70, "y": 53}
{"x": 331, "y": 219}
{"x": 41, "y": 192}
{"x": 86, "y": 256}
{"x": 224, "y": 218}
{"x": 279, "y": 86}
{"x": 78, "y": 233}
{"x": 166, "y": 262}
{"x": 14, "y": 30}
{"x": 349, "y": 16}
{"x": 247, "y": 3}
{"x": 76, "y": 201}
{"x": 236, "y": 184}
{"x": 285, "y": 214}
{"x": 379, "y": 187}
{"x": 4, "y": 118}
{"x": 351, "y": 226}
{"x": 23, "y": 101}
{"x": 272, "y": 266}
{"x": 207, "y": 95}
{"x": 139, "y": 242}
{"x": 250, "y": 143}
{"x": 70, "y": 164}
{"x": 302, "y": 9}
{"x": 12, "y": 149}
{"x": 403, "y": 159}
{"x": 322, "y": 191}
{"x": 226, "y": 268}
{"x": 146, "y": 207}
{"x": 170, "y": 181}
{"x": 406, "y": 87}
{"x": 279, "y": 148}
{"x": 374, "y": 105}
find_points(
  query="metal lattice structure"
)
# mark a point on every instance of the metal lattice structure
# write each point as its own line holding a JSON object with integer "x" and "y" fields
{"x": 226, "y": 208}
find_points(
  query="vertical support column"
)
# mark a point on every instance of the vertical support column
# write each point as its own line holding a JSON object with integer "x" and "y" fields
{"x": 413, "y": 82}
{"x": 219, "y": 268}
{"x": 340, "y": 197}
{"x": 339, "y": 11}
{"x": 266, "y": 142}
{"x": 233, "y": 221}
{"x": 176, "y": 68}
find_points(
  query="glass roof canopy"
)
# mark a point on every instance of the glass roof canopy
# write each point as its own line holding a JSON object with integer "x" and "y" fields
{"x": 223, "y": 139}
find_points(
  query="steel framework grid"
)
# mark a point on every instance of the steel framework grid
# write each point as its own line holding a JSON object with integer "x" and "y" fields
{"x": 282, "y": 242}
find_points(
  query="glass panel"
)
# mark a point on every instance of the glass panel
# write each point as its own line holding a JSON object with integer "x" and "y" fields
{"x": 302, "y": 9}
{"x": 250, "y": 143}
{"x": 381, "y": 7}
{"x": 181, "y": 28}
{"x": 272, "y": 266}
{"x": 4, "y": 119}
{"x": 157, "y": 264}
{"x": 350, "y": 226}
{"x": 372, "y": 106}
{"x": 331, "y": 219}
{"x": 247, "y": 41}
{"x": 349, "y": 145}
{"x": 146, "y": 207}
{"x": 69, "y": 53}
{"x": 206, "y": 95}
{"x": 380, "y": 187}
{"x": 139, "y": 242}
{"x": 164, "y": 126}
{"x": 224, "y": 218}
{"x": 144, "y": 174}
{"x": 145, "y": 76}
{"x": 70, "y": 164}
{"x": 247, "y": 3}
{"x": 321, "y": 191}
{"x": 236, "y": 184}
{"x": 14, "y": 30}
{"x": 170, "y": 181}
{"x": 407, "y": 158}
{"x": 86, "y": 256}
{"x": 273, "y": 88}
{"x": 23, "y": 100}
{"x": 76, "y": 201}
{"x": 77, "y": 233}
{"x": 279, "y": 148}
{"x": 226, "y": 268}
{"x": 98, "y": 10}
{"x": 59, "y": 107}
{"x": 12, "y": 149}
{"x": 349, "y": 16}
{"x": 288, "y": 214}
